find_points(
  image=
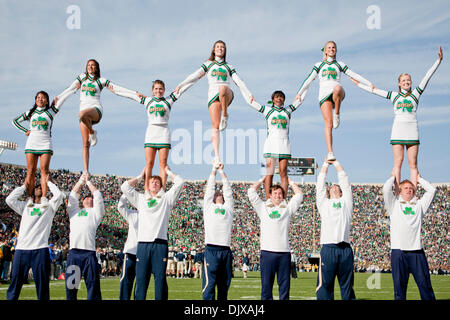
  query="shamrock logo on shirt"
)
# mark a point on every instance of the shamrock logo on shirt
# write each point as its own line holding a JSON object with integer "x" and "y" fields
{"x": 405, "y": 105}
{"x": 274, "y": 215}
{"x": 409, "y": 210}
{"x": 89, "y": 89}
{"x": 279, "y": 121}
{"x": 220, "y": 211}
{"x": 83, "y": 213}
{"x": 329, "y": 73}
{"x": 337, "y": 205}
{"x": 40, "y": 123}
{"x": 152, "y": 203}
{"x": 157, "y": 110}
{"x": 221, "y": 74}
{"x": 36, "y": 212}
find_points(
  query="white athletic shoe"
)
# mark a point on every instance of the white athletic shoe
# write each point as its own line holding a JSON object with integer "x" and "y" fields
{"x": 93, "y": 138}
{"x": 30, "y": 202}
{"x": 336, "y": 121}
{"x": 223, "y": 123}
{"x": 44, "y": 202}
{"x": 216, "y": 162}
{"x": 331, "y": 156}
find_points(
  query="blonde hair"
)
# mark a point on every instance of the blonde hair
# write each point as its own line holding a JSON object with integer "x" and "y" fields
{"x": 405, "y": 182}
{"x": 398, "y": 80}
{"x": 323, "y": 49}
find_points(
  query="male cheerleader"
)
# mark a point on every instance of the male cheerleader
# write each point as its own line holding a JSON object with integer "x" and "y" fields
{"x": 275, "y": 256}
{"x": 82, "y": 258}
{"x": 406, "y": 212}
{"x": 335, "y": 207}
{"x": 129, "y": 249}
{"x": 218, "y": 219}
{"x": 31, "y": 250}
{"x": 152, "y": 247}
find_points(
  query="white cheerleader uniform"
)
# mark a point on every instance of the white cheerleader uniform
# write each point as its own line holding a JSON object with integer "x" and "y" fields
{"x": 218, "y": 73}
{"x": 329, "y": 72}
{"x": 405, "y": 129}
{"x": 157, "y": 134}
{"x": 40, "y": 138}
{"x": 277, "y": 143}
{"x": 89, "y": 92}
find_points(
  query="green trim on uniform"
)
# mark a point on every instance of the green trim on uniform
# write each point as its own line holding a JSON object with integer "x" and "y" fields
{"x": 414, "y": 98}
{"x": 329, "y": 97}
{"x": 99, "y": 84}
{"x": 40, "y": 152}
{"x": 204, "y": 68}
{"x": 277, "y": 156}
{"x": 157, "y": 145}
{"x": 216, "y": 98}
{"x": 419, "y": 90}
{"x": 405, "y": 142}
{"x": 99, "y": 114}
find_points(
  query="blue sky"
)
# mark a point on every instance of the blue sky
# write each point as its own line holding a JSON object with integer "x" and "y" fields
{"x": 272, "y": 44}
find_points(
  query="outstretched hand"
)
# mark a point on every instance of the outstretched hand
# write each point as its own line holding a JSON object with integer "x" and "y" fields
{"x": 440, "y": 54}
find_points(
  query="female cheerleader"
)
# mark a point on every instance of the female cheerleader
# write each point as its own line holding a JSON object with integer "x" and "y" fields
{"x": 39, "y": 143}
{"x": 405, "y": 130}
{"x": 91, "y": 110}
{"x": 331, "y": 92}
{"x": 220, "y": 95}
{"x": 277, "y": 146}
{"x": 157, "y": 136}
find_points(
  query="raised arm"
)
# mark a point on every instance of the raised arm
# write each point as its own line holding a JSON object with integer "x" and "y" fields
{"x": 124, "y": 92}
{"x": 321, "y": 190}
{"x": 430, "y": 72}
{"x": 175, "y": 190}
{"x": 74, "y": 86}
{"x": 306, "y": 83}
{"x": 227, "y": 191}
{"x": 428, "y": 197}
{"x": 244, "y": 90}
{"x": 58, "y": 196}
{"x": 210, "y": 187}
{"x": 344, "y": 183}
{"x": 388, "y": 194}
{"x": 191, "y": 79}
{"x": 254, "y": 198}
{"x": 297, "y": 199}
{"x": 12, "y": 200}
{"x": 128, "y": 189}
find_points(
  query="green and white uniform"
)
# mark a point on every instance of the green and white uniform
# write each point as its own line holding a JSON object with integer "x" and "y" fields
{"x": 329, "y": 72}
{"x": 405, "y": 129}
{"x": 218, "y": 73}
{"x": 158, "y": 113}
{"x": 40, "y": 139}
{"x": 90, "y": 91}
{"x": 277, "y": 143}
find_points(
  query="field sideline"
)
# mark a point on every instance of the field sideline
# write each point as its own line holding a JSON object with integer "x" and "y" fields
{"x": 302, "y": 288}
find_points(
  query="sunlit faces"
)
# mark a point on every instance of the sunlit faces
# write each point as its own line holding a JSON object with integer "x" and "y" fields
{"x": 330, "y": 49}
{"x": 41, "y": 100}
{"x": 219, "y": 50}
{"x": 276, "y": 196}
{"x": 158, "y": 90}
{"x": 278, "y": 100}
{"x": 154, "y": 185}
{"x": 91, "y": 67}
{"x": 88, "y": 202}
{"x": 335, "y": 192}
{"x": 404, "y": 82}
{"x": 407, "y": 190}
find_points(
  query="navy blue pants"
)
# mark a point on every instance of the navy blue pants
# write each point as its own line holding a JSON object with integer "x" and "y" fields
{"x": 279, "y": 264}
{"x": 127, "y": 276}
{"x": 217, "y": 271}
{"x": 151, "y": 257}
{"x": 405, "y": 262}
{"x": 82, "y": 263}
{"x": 336, "y": 260}
{"x": 39, "y": 262}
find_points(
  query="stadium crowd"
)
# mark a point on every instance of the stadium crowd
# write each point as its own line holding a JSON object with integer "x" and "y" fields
{"x": 369, "y": 235}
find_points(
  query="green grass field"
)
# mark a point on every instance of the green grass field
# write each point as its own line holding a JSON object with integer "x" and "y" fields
{"x": 302, "y": 288}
